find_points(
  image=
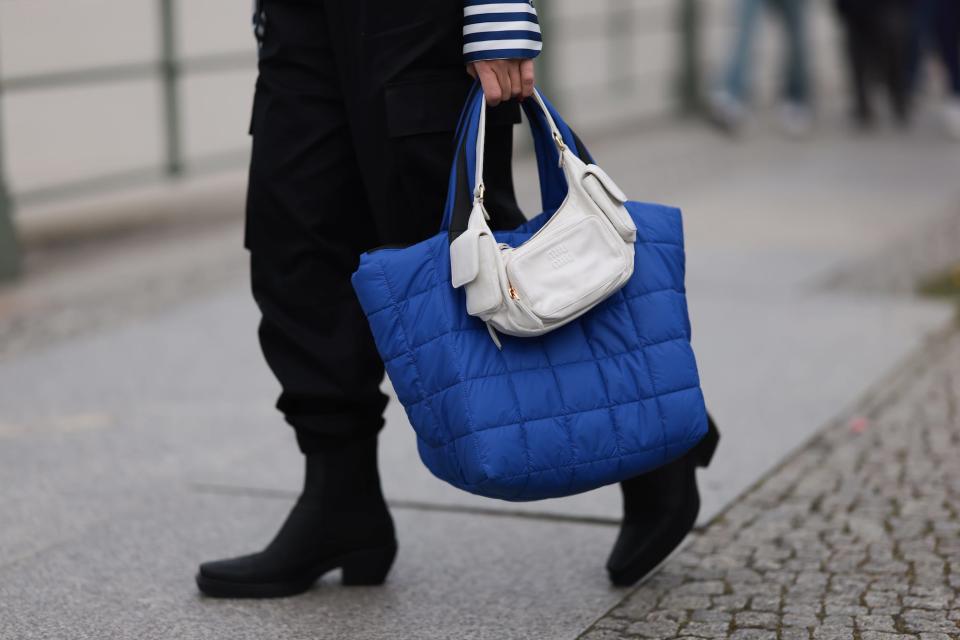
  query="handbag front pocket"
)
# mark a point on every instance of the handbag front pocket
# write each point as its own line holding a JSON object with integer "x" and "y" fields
{"x": 474, "y": 263}
{"x": 568, "y": 270}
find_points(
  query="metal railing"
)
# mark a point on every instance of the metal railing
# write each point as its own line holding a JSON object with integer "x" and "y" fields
{"x": 618, "y": 27}
{"x": 168, "y": 69}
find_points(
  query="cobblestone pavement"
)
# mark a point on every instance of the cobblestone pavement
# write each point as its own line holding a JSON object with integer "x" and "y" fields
{"x": 856, "y": 536}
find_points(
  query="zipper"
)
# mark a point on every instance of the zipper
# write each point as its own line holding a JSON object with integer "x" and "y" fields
{"x": 503, "y": 246}
{"x": 522, "y": 305}
{"x": 510, "y": 288}
{"x": 515, "y": 295}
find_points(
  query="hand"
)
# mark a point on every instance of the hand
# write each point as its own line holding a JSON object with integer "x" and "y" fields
{"x": 504, "y": 79}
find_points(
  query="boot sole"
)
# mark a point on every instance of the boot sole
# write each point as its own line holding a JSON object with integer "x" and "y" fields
{"x": 367, "y": 567}
{"x": 646, "y": 577}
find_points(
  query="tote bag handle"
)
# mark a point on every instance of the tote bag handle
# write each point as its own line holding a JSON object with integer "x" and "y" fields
{"x": 550, "y": 134}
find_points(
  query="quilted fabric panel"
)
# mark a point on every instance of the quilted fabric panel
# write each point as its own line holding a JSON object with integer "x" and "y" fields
{"x": 609, "y": 396}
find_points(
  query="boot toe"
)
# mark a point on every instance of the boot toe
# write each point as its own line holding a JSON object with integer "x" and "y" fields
{"x": 642, "y": 546}
{"x": 239, "y": 569}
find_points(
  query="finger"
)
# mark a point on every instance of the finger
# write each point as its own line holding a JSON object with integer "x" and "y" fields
{"x": 514, "y": 72}
{"x": 472, "y": 71}
{"x": 503, "y": 76}
{"x": 527, "y": 78}
{"x": 490, "y": 84}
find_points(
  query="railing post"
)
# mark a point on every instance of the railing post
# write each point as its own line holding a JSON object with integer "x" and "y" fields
{"x": 170, "y": 80}
{"x": 10, "y": 257}
{"x": 689, "y": 70}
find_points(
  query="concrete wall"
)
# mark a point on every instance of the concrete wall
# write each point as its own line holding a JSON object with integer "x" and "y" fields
{"x": 58, "y": 135}
{"x": 612, "y": 62}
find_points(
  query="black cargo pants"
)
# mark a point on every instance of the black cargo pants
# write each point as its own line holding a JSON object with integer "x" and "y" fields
{"x": 353, "y": 119}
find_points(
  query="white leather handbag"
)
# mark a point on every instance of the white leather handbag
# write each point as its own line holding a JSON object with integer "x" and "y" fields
{"x": 581, "y": 255}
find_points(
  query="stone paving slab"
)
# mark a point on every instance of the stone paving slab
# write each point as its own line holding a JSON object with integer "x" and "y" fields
{"x": 131, "y": 576}
{"x": 855, "y": 537}
{"x": 128, "y": 457}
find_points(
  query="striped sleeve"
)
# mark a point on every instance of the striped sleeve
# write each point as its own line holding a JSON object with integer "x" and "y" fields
{"x": 499, "y": 29}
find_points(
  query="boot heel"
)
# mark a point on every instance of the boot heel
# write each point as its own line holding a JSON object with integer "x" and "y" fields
{"x": 368, "y": 567}
{"x": 704, "y": 450}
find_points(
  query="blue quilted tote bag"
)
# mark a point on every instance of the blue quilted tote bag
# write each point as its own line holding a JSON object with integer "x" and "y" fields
{"x": 611, "y": 395}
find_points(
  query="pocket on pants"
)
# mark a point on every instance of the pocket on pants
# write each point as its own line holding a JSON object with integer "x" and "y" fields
{"x": 429, "y": 104}
{"x": 383, "y": 17}
{"x": 425, "y": 105}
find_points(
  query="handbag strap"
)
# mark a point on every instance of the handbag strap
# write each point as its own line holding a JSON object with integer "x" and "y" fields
{"x": 555, "y": 135}
{"x": 549, "y": 133}
{"x": 454, "y": 195}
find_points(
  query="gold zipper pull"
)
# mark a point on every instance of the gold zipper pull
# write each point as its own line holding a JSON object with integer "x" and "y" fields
{"x": 513, "y": 293}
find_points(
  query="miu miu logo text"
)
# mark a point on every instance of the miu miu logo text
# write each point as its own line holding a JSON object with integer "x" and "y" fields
{"x": 559, "y": 256}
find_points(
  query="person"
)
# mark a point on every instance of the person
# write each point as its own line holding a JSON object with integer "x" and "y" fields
{"x": 728, "y": 103}
{"x": 939, "y": 21}
{"x": 878, "y": 38}
{"x": 353, "y": 119}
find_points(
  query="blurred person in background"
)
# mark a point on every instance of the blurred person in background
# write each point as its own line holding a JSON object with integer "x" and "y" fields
{"x": 878, "y": 34}
{"x": 937, "y": 26}
{"x": 353, "y": 120}
{"x": 728, "y": 103}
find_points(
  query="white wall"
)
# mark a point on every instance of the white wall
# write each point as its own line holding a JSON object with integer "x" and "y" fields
{"x": 58, "y": 135}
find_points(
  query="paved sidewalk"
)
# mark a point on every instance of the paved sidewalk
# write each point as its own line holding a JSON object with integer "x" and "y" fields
{"x": 137, "y": 435}
{"x": 857, "y": 536}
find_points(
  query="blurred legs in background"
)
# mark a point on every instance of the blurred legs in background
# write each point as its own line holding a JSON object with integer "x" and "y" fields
{"x": 937, "y": 26}
{"x": 796, "y": 111}
{"x": 877, "y": 43}
{"x": 948, "y": 38}
{"x": 728, "y": 103}
{"x": 741, "y": 65}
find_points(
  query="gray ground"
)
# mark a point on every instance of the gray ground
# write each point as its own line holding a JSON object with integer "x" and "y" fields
{"x": 138, "y": 436}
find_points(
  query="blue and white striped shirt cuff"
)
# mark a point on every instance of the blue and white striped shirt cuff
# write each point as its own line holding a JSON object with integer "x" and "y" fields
{"x": 499, "y": 29}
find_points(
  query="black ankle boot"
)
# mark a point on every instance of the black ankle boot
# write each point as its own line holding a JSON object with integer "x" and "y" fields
{"x": 659, "y": 510}
{"x": 339, "y": 521}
